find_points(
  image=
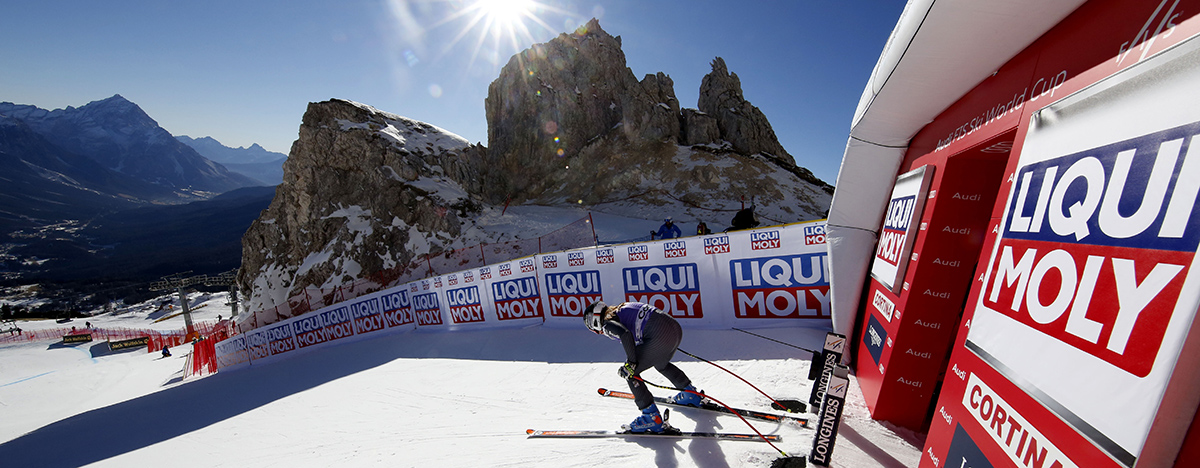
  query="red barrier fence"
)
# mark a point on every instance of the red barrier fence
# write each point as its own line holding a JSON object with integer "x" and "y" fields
{"x": 203, "y": 359}
{"x": 158, "y": 338}
{"x": 575, "y": 235}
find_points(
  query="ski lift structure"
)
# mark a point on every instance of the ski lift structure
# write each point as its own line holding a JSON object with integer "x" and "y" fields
{"x": 180, "y": 281}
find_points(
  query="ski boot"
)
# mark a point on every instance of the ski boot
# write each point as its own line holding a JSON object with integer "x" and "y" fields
{"x": 649, "y": 421}
{"x": 687, "y": 398}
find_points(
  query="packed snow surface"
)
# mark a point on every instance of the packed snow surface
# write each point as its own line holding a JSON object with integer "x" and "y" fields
{"x": 418, "y": 399}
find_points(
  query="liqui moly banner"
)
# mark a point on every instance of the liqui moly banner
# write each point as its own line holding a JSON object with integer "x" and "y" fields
{"x": 271, "y": 340}
{"x": 427, "y": 303}
{"x": 1092, "y": 277}
{"x": 777, "y": 275}
{"x": 761, "y": 278}
{"x": 231, "y": 352}
{"x": 899, "y": 230}
{"x": 572, "y": 280}
{"x": 510, "y": 294}
{"x": 669, "y": 275}
{"x": 329, "y": 324}
{"x": 465, "y": 305}
{"x": 517, "y": 300}
{"x": 396, "y": 308}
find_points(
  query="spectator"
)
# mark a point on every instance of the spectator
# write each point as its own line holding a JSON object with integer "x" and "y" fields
{"x": 744, "y": 219}
{"x": 702, "y": 229}
{"x": 669, "y": 230}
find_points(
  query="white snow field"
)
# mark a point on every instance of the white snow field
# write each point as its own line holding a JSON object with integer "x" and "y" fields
{"x": 414, "y": 399}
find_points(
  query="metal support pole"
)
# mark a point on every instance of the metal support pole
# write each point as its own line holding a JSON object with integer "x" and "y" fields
{"x": 187, "y": 314}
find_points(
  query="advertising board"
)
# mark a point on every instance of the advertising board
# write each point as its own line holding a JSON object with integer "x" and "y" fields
{"x": 900, "y": 221}
{"x": 1091, "y": 289}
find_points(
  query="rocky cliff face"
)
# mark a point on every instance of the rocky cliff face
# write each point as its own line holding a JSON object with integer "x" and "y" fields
{"x": 363, "y": 191}
{"x": 568, "y": 124}
{"x": 573, "y": 118}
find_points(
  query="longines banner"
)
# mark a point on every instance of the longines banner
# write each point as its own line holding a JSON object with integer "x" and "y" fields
{"x": 766, "y": 277}
{"x": 1092, "y": 278}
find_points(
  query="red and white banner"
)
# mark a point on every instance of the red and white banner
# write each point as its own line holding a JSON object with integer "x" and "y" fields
{"x": 1091, "y": 287}
{"x": 900, "y": 227}
{"x": 763, "y": 278}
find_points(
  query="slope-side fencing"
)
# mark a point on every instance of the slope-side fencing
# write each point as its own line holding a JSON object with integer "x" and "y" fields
{"x": 157, "y": 338}
{"x": 577, "y": 234}
{"x": 770, "y": 277}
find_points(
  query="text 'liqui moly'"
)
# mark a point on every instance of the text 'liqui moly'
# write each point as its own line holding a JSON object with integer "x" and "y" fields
{"x": 279, "y": 339}
{"x": 517, "y": 298}
{"x": 427, "y": 309}
{"x": 367, "y": 316}
{"x": 764, "y": 240}
{"x": 1098, "y": 243}
{"x": 258, "y": 344}
{"x": 674, "y": 249}
{"x": 716, "y": 245}
{"x": 789, "y": 286}
{"x": 464, "y": 304}
{"x": 814, "y": 234}
{"x": 570, "y": 293}
{"x": 314, "y": 329}
{"x": 895, "y": 229}
{"x": 397, "y": 310}
{"x": 674, "y": 289}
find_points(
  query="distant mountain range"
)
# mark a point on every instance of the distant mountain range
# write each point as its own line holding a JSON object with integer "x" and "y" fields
{"x": 254, "y": 162}
{"x": 75, "y": 181}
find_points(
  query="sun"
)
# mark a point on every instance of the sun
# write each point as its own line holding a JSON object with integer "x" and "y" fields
{"x": 482, "y": 32}
{"x": 505, "y": 14}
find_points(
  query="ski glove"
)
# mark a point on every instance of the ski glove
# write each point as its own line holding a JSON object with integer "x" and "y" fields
{"x": 627, "y": 371}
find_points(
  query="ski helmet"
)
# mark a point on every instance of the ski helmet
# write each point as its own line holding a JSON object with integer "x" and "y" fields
{"x": 593, "y": 317}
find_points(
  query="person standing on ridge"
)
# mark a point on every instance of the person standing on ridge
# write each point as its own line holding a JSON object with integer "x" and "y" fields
{"x": 669, "y": 230}
{"x": 650, "y": 338}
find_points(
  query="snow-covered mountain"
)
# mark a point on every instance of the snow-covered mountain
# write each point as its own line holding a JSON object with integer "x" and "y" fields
{"x": 69, "y": 174}
{"x": 254, "y": 162}
{"x": 118, "y": 135}
{"x": 212, "y": 149}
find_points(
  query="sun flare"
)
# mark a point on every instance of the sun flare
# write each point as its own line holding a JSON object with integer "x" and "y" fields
{"x": 505, "y": 14}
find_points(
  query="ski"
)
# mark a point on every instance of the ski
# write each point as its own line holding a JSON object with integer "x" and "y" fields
{"x": 803, "y": 421}
{"x": 670, "y": 434}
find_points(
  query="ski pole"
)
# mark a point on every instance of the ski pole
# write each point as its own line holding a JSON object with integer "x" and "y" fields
{"x": 704, "y": 395}
{"x": 815, "y": 353}
{"x": 777, "y": 404}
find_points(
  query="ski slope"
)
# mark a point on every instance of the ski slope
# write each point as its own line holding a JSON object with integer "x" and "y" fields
{"x": 414, "y": 399}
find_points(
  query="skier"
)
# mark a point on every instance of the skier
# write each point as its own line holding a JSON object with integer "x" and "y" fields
{"x": 668, "y": 230}
{"x": 650, "y": 338}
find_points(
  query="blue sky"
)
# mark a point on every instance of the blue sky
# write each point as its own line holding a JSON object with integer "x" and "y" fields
{"x": 244, "y": 71}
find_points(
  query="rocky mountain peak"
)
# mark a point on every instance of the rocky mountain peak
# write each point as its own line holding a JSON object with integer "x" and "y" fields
{"x": 367, "y": 191}
{"x": 741, "y": 124}
{"x": 364, "y": 191}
